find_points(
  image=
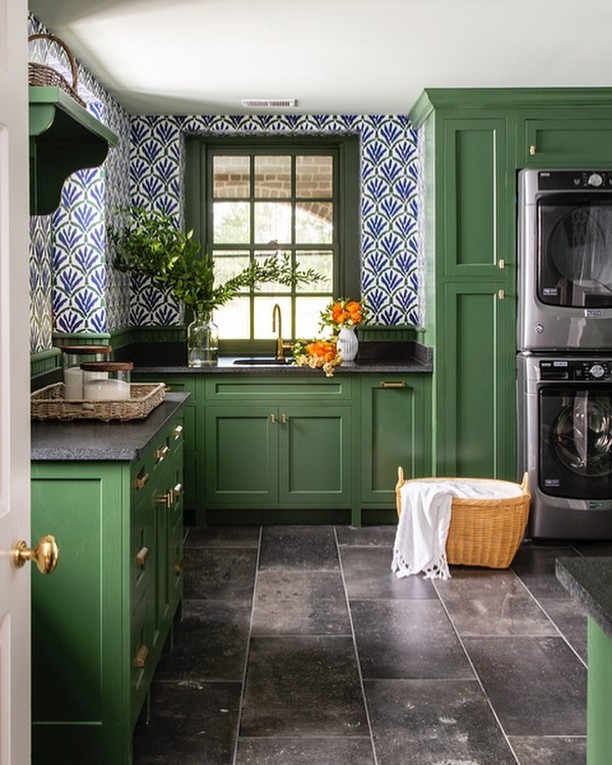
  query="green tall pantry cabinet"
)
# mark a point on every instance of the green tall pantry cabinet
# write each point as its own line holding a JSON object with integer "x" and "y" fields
{"x": 474, "y": 141}
{"x": 113, "y": 496}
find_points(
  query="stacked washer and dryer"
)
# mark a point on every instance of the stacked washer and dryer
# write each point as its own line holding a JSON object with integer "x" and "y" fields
{"x": 564, "y": 361}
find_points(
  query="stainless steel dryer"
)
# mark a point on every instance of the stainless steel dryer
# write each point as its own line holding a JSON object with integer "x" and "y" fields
{"x": 565, "y": 444}
{"x": 564, "y": 260}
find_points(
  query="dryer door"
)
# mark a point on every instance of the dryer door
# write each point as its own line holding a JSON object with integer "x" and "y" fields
{"x": 575, "y": 250}
{"x": 576, "y": 441}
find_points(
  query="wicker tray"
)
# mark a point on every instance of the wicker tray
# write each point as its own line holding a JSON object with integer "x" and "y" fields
{"x": 42, "y": 75}
{"x": 49, "y": 404}
{"x": 483, "y": 532}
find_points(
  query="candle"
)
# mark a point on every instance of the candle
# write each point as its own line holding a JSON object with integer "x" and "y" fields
{"x": 107, "y": 390}
{"x": 73, "y": 383}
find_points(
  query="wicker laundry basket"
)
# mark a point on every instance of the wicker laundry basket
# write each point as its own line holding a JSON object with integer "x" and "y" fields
{"x": 482, "y": 532}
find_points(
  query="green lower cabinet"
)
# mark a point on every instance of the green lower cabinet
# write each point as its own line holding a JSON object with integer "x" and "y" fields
{"x": 100, "y": 621}
{"x": 267, "y": 456}
{"x": 599, "y": 704}
{"x": 395, "y": 431}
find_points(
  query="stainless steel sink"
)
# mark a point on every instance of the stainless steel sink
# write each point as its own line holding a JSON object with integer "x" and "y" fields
{"x": 262, "y": 361}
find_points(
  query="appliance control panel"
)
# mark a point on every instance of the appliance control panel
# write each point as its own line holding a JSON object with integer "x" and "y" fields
{"x": 569, "y": 180}
{"x": 577, "y": 370}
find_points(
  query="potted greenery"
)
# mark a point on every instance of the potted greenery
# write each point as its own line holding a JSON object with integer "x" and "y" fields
{"x": 151, "y": 244}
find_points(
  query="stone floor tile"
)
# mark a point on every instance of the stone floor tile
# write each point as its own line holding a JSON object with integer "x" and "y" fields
{"x": 220, "y": 575}
{"x": 407, "y": 639}
{"x": 434, "y": 721}
{"x": 300, "y": 603}
{"x": 192, "y": 723}
{"x": 368, "y": 576}
{"x": 537, "y": 685}
{"x": 303, "y": 686}
{"x": 366, "y": 536}
{"x": 305, "y": 548}
{"x": 223, "y": 536}
{"x": 546, "y": 750}
{"x": 305, "y": 751}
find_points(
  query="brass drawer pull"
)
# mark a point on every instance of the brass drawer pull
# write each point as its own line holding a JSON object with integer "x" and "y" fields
{"x": 283, "y": 419}
{"x": 166, "y": 499}
{"x": 178, "y": 431}
{"x": 177, "y": 490}
{"x": 141, "y": 657}
{"x": 178, "y": 567}
{"x": 273, "y": 418}
{"x": 141, "y": 479}
{"x": 161, "y": 453}
{"x": 141, "y": 557}
{"x": 393, "y": 384}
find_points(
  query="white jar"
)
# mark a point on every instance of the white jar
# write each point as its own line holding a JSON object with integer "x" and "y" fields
{"x": 106, "y": 380}
{"x": 74, "y": 356}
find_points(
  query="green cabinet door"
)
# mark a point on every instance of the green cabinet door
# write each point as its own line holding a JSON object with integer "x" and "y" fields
{"x": 566, "y": 139}
{"x": 315, "y": 450}
{"x": 473, "y": 229}
{"x": 395, "y": 431}
{"x": 474, "y": 424}
{"x": 242, "y": 455}
{"x": 271, "y": 456}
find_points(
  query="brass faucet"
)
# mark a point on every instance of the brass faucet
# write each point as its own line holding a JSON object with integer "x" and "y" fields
{"x": 280, "y": 344}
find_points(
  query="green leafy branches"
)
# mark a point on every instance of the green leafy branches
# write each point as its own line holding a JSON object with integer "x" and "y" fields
{"x": 152, "y": 245}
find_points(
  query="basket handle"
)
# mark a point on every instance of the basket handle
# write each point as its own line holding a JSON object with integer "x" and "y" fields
{"x": 66, "y": 50}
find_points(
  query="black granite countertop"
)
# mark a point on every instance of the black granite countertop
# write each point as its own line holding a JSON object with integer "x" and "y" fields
{"x": 589, "y": 580}
{"x": 55, "y": 441}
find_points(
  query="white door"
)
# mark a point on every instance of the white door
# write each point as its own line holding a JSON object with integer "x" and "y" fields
{"x": 14, "y": 385}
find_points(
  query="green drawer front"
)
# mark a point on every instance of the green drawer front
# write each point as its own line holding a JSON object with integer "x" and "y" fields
{"x": 226, "y": 389}
{"x": 141, "y": 656}
{"x": 142, "y": 552}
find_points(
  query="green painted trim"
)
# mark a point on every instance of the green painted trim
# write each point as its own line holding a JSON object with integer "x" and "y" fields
{"x": 82, "y": 338}
{"x": 305, "y": 516}
{"x": 370, "y": 332}
{"x": 599, "y": 706}
{"x": 44, "y": 362}
{"x": 506, "y": 98}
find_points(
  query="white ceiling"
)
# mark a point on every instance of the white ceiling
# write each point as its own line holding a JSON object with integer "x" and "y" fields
{"x": 333, "y": 56}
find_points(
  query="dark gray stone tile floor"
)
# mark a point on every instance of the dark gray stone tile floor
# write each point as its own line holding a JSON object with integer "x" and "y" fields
{"x": 299, "y": 646}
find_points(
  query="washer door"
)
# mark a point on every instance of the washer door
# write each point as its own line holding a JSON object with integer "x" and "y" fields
{"x": 575, "y": 251}
{"x": 576, "y": 442}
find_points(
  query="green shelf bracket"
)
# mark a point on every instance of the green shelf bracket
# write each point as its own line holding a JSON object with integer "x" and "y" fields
{"x": 64, "y": 137}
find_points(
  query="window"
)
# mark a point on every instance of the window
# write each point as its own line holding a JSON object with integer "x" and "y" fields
{"x": 250, "y": 200}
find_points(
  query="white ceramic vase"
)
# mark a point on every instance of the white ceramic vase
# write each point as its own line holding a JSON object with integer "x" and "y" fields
{"x": 347, "y": 343}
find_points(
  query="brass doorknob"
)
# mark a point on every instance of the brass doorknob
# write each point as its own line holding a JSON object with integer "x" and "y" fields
{"x": 45, "y": 554}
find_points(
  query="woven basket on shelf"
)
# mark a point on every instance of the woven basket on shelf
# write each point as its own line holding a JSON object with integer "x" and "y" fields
{"x": 42, "y": 75}
{"x": 48, "y": 403}
{"x": 482, "y": 532}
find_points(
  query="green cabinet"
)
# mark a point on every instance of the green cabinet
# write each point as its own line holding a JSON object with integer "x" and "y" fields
{"x": 474, "y": 142}
{"x": 297, "y": 447}
{"x": 395, "y": 422}
{"x": 277, "y": 443}
{"x": 99, "y": 623}
{"x": 471, "y": 273}
{"x": 563, "y": 139}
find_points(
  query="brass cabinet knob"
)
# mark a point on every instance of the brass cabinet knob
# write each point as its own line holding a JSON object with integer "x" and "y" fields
{"x": 45, "y": 554}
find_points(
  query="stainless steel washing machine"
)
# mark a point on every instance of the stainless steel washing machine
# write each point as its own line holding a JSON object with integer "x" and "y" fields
{"x": 565, "y": 443}
{"x": 564, "y": 260}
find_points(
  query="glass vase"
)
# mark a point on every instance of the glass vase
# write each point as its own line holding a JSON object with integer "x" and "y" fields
{"x": 202, "y": 342}
{"x": 347, "y": 343}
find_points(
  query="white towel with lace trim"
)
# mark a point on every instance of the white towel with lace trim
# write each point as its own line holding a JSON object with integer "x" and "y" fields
{"x": 422, "y": 530}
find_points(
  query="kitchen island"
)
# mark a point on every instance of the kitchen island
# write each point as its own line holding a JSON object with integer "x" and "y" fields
{"x": 589, "y": 580}
{"x": 112, "y": 495}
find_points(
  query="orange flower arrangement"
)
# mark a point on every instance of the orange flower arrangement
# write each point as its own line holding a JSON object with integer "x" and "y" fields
{"x": 342, "y": 313}
{"x": 317, "y": 354}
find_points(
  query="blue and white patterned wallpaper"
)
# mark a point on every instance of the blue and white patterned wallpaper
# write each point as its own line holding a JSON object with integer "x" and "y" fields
{"x": 73, "y": 287}
{"x": 389, "y": 199}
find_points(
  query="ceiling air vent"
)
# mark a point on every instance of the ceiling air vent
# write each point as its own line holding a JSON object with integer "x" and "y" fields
{"x": 267, "y": 103}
